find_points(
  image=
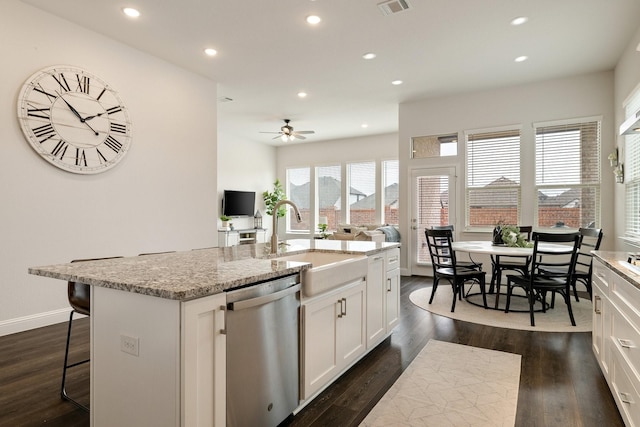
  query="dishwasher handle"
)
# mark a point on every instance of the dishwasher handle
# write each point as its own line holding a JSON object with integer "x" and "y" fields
{"x": 265, "y": 299}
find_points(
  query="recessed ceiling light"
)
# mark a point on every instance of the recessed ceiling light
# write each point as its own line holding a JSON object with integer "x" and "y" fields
{"x": 302, "y": 94}
{"x": 313, "y": 19}
{"x": 364, "y": 126}
{"x": 638, "y": 47}
{"x": 210, "y": 51}
{"x": 519, "y": 20}
{"x": 521, "y": 58}
{"x": 396, "y": 82}
{"x": 131, "y": 12}
{"x": 369, "y": 55}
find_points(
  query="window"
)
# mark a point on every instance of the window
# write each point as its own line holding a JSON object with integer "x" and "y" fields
{"x": 632, "y": 173}
{"x": 434, "y": 146}
{"x": 390, "y": 179}
{"x": 362, "y": 193}
{"x": 299, "y": 192}
{"x": 568, "y": 174}
{"x": 493, "y": 178}
{"x": 330, "y": 195}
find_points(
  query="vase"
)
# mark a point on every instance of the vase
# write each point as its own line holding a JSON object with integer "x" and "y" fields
{"x": 497, "y": 235}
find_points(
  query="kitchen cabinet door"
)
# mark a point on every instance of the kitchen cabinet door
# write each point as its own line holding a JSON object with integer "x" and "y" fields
{"x": 393, "y": 299}
{"x": 376, "y": 295}
{"x": 333, "y": 335}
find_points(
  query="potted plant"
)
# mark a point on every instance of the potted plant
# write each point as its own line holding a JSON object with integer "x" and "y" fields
{"x": 272, "y": 197}
{"x": 225, "y": 221}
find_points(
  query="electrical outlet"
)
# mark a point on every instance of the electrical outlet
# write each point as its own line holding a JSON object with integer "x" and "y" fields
{"x": 129, "y": 344}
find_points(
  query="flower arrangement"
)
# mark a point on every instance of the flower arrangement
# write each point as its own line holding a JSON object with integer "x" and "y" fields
{"x": 511, "y": 237}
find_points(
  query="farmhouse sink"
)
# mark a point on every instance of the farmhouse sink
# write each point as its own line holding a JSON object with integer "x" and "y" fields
{"x": 328, "y": 270}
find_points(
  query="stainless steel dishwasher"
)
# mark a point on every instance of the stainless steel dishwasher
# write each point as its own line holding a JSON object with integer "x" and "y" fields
{"x": 262, "y": 323}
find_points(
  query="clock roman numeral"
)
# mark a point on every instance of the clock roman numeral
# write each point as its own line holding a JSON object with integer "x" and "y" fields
{"x": 103, "y": 159}
{"x": 83, "y": 84}
{"x": 43, "y": 113}
{"x": 60, "y": 149}
{"x": 51, "y": 97}
{"x": 81, "y": 159}
{"x": 114, "y": 110}
{"x": 101, "y": 93}
{"x": 46, "y": 132}
{"x": 118, "y": 128}
{"x": 62, "y": 81}
{"x": 113, "y": 143}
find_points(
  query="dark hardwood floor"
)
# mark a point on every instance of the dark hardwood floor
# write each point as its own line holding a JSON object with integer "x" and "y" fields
{"x": 560, "y": 384}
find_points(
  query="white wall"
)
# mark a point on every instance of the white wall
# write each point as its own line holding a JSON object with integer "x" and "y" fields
{"x": 627, "y": 78}
{"x": 245, "y": 166}
{"x": 161, "y": 196}
{"x": 580, "y": 96}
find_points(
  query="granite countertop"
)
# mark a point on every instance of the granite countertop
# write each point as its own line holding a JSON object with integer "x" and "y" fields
{"x": 617, "y": 261}
{"x": 202, "y": 272}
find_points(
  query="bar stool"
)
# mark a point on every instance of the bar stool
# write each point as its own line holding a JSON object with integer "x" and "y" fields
{"x": 79, "y": 295}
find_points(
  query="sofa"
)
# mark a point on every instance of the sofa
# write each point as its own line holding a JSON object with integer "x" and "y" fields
{"x": 366, "y": 232}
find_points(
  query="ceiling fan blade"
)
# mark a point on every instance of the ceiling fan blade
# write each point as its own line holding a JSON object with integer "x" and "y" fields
{"x": 276, "y": 137}
{"x": 298, "y": 136}
{"x": 305, "y": 132}
{"x": 271, "y": 132}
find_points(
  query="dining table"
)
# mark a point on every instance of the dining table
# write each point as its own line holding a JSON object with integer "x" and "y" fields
{"x": 487, "y": 247}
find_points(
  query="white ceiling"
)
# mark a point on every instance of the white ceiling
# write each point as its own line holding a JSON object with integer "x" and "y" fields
{"x": 267, "y": 53}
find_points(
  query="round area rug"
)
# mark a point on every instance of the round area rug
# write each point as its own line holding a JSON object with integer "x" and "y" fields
{"x": 554, "y": 320}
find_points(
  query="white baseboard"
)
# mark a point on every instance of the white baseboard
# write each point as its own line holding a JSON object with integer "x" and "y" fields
{"x": 21, "y": 324}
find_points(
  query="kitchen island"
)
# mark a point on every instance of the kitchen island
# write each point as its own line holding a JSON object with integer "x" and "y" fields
{"x": 158, "y": 327}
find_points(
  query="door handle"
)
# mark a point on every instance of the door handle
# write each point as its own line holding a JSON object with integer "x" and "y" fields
{"x": 626, "y": 398}
{"x": 596, "y": 305}
{"x": 626, "y": 343}
{"x": 389, "y": 285}
{"x": 345, "y": 306}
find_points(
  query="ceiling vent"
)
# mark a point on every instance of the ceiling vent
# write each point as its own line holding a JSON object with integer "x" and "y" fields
{"x": 393, "y": 6}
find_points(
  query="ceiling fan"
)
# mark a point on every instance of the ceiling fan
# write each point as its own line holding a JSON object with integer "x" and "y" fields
{"x": 288, "y": 134}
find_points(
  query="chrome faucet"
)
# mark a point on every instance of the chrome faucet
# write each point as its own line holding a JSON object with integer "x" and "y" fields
{"x": 274, "y": 236}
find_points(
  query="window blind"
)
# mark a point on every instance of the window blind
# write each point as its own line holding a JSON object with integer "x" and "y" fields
{"x": 493, "y": 178}
{"x": 568, "y": 174}
{"x": 632, "y": 173}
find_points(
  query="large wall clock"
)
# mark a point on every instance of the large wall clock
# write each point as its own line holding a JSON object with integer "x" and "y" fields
{"x": 74, "y": 120}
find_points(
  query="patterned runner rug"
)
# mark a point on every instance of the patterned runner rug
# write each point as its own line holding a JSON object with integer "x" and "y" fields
{"x": 452, "y": 385}
{"x": 554, "y": 320}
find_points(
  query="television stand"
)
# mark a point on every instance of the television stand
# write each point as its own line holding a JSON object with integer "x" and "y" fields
{"x": 241, "y": 236}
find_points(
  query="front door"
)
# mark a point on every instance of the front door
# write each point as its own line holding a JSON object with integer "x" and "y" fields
{"x": 432, "y": 203}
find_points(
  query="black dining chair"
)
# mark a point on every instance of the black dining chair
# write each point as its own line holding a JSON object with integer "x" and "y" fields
{"x": 502, "y": 263}
{"x": 443, "y": 260}
{"x": 467, "y": 264}
{"x": 79, "y": 296}
{"x": 550, "y": 271}
{"x": 590, "y": 241}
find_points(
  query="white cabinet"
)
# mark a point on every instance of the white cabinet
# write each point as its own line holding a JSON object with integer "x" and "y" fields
{"x": 203, "y": 367}
{"x": 239, "y": 237}
{"x": 333, "y": 335}
{"x": 376, "y": 296}
{"x": 392, "y": 258}
{"x": 383, "y": 295}
{"x": 616, "y": 338}
{"x": 175, "y": 373}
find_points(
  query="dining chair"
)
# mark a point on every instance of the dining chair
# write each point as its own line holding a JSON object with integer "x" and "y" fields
{"x": 590, "y": 241}
{"x": 550, "y": 271}
{"x": 467, "y": 264}
{"x": 501, "y": 263}
{"x": 79, "y": 296}
{"x": 443, "y": 260}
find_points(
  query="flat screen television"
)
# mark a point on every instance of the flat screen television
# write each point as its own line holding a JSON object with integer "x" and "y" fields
{"x": 238, "y": 203}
